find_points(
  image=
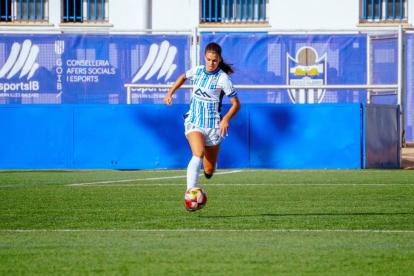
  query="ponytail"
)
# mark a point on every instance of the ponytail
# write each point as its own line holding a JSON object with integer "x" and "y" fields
{"x": 227, "y": 68}
{"x": 215, "y": 48}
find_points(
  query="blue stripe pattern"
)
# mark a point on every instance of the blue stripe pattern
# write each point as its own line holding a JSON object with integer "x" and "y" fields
{"x": 204, "y": 81}
{"x": 211, "y": 124}
{"x": 233, "y": 95}
{"x": 198, "y": 75}
{"x": 207, "y": 96}
{"x": 193, "y": 113}
{"x": 213, "y": 83}
{"x": 201, "y": 115}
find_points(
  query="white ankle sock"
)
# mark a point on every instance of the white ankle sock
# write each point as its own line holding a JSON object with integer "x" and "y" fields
{"x": 193, "y": 170}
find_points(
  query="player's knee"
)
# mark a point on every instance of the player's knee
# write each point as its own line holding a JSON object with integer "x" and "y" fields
{"x": 209, "y": 171}
{"x": 199, "y": 154}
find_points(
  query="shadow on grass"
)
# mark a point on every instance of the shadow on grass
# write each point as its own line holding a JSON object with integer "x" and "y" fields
{"x": 312, "y": 214}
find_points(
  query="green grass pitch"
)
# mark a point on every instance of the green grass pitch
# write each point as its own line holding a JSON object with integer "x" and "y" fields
{"x": 256, "y": 222}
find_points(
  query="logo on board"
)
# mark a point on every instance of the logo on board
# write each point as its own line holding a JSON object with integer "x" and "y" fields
{"x": 306, "y": 70}
{"x": 59, "y": 47}
{"x": 21, "y": 59}
{"x": 160, "y": 60}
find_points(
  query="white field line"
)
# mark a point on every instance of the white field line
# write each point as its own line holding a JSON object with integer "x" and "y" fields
{"x": 208, "y": 230}
{"x": 247, "y": 184}
{"x": 142, "y": 179}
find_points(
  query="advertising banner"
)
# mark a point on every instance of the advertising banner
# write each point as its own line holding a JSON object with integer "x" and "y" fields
{"x": 294, "y": 60}
{"x": 89, "y": 68}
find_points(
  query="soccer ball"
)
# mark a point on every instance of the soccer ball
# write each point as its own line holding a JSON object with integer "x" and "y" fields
{"x": 195, "y": 198}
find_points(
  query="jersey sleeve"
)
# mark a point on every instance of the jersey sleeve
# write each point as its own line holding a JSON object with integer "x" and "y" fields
{"x": 227, "y": 86}
{"x": 191, "y": 73}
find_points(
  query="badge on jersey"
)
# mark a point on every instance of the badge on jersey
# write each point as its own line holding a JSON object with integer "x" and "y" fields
{"x": 190, "y": 126}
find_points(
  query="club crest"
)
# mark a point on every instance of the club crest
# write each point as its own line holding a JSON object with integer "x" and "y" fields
{"x": 306, "y": 70}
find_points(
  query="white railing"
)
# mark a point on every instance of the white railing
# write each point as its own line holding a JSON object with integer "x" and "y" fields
{"x": 372, "y": 90}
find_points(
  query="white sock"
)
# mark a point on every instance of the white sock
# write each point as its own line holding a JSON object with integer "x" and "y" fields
{"x": 215, "y": 168}
{"x": 193, "y": 170}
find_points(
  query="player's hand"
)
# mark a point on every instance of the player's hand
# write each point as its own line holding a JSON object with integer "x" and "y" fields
{"x": 168, "y": 99}
{"x": 224, "y": 125}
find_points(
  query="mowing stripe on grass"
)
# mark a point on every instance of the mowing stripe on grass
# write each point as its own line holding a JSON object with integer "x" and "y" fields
{"x": 141, "y": 179}
{"x": 209, "y": 230}
{"x": 239, "y": 184}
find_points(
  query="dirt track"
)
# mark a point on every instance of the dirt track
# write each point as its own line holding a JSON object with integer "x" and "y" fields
{"x": 408, "y": 158}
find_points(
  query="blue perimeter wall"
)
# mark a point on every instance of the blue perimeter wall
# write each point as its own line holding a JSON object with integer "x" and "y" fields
{"x": 152, "y": 137}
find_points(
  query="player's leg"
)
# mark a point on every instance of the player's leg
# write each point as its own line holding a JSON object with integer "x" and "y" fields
{"x": 212, "y": 148}
{"x": 196, "y": 140}
{"x": 210, "y": 160}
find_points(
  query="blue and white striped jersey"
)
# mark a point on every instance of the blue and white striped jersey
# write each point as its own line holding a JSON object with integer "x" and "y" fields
{"x": 208, "y": 91}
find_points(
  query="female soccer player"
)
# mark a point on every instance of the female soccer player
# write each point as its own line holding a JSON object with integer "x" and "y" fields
{"x": 204, "y": 126}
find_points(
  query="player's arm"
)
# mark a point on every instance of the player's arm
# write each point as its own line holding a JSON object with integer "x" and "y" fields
{"x": 224, "y": 124}
{"x": 177, "y": 84}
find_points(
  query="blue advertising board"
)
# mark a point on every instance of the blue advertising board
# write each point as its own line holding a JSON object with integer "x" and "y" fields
{"x": 89, "y": 68}
{"x": 294, "y": 60}
{"x": 148, "y": 136}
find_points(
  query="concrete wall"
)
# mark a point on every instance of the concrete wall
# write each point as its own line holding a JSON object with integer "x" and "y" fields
{"x": 177, "y": 14}
{"x": 410, "y": 13}
{"x": 123, "y": 14}
{"x": 307, "y": 14}
{"x": 185, "y": 14}
{"x": 128, "y": 14}
{"x": 55, "y": 11}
